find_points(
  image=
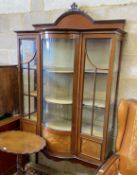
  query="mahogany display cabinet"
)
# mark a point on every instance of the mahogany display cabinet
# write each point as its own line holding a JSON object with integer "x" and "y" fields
{"x": 68, "y": 84}
{"x": 9, "y": 101}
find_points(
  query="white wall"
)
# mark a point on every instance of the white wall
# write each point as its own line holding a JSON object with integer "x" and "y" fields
{"x": 20, "y": 15}
{"x": 14, "y": 6}
{"x": 58, "y": 4}
{"x": 22, "y": 6}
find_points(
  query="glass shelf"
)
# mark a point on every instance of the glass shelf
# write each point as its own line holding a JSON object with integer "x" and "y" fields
{"x": 58, "y": 101}
{"x": 31, "y": 67}
{"x": 105, "y": 71}
{"x": 70, "y": 70}
{"x": 59, "y": 69}
{"x": 32, "y": 116}
{"x": 32, "y": 93}
{"x": 98, "y": 103}
{"x": 61, "y": 125}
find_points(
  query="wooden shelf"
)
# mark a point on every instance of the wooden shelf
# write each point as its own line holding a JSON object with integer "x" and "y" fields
{"x": 98, "y": 103}
{"x": 32, "y": 93}
{"x": 58, "y": 101}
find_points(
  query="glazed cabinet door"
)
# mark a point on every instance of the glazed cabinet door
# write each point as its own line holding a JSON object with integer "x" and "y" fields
{"x": 28, "y": 61}
{"x": 97, "y": 100}
{"x": 59, "y": 58}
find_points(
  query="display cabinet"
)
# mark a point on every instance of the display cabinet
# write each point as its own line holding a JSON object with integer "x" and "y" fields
{"x": 69, "y": 83}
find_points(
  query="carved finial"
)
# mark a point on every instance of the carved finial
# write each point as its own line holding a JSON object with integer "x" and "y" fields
{"x": 74, "y": 7}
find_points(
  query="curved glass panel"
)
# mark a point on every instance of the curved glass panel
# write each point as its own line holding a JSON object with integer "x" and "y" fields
{"x": 58, "y": 69}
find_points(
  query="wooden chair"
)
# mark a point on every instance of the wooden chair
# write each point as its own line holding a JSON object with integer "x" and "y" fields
{"x": 124, "y": 162}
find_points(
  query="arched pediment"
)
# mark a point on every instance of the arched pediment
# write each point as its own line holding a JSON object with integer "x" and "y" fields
{"x": 76, "y": 19}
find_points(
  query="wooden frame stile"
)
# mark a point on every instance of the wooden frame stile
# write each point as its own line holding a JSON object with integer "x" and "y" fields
{"x": 116, "y": 37}
{"x": 119, "y": 38}
{"x": 81, "y": 78}
{"x": 39, "y": 83}
{"x": 76, "y": 98}
{"x": 19, "y": 77}
{"x": 20, "y": 81}
{"x": 41, "y": 80}
{"x": 109, "y": 82}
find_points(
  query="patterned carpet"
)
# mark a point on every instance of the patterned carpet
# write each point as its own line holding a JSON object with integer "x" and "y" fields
{"x": 29, "y": 170}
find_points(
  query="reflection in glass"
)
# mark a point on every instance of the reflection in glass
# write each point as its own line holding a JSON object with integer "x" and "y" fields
{"x": 58, "y": 85}
{"x": 97, "y": 54}
{"x": 27, "y": 51}
{"x": 58, "y": 54}
{"x": 57, "y": 116}
{"x": 58, "y": 68}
